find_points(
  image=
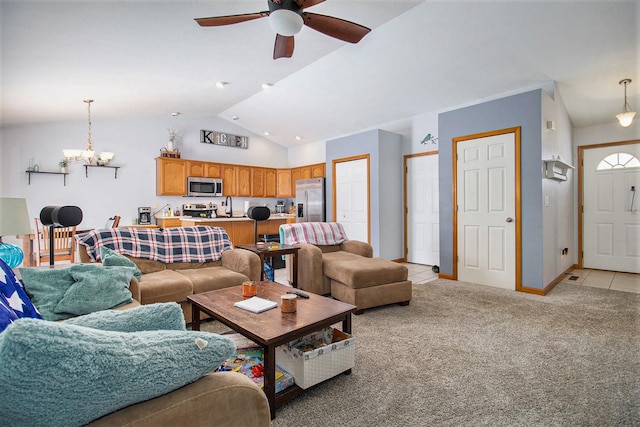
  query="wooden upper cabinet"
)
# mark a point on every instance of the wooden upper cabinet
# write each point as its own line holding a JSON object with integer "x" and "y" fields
{"x": 295, "y": 175}
{"x": 212, "y": 170}
{"x": 243, "y": 181}
{"x": 305, "y": 172}
{"x": 195, "y": 168}
{"x": 229, "y": 180}
{"x": 284, "y": 183}
{"x": 257, "y": 182}
{"x": 318, "y": 170}
{"x": 171, "y": 177}
{"x": 270, "y": 183}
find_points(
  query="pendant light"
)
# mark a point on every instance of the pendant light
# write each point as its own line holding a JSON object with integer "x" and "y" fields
{"x": 88, "y": 154}
{"x": 626, "y": 117}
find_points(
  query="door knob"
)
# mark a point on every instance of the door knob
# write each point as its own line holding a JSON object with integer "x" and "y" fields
{"x": 509, "y": 219}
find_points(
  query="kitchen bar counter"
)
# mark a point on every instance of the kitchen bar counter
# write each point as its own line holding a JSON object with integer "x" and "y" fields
{"x": 239, "y": 229}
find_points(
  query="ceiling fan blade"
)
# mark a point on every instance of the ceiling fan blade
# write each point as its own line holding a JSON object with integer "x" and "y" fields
{"x": 217, "y": 21}
{"x": 308, "y": 3}
{"x": 283, "y": 47}
{"x": 335, "y": 27}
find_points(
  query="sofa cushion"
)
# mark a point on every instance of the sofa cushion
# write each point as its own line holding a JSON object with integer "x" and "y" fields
{"x": 46, "y": 287}
{"x": 78, "y": 374}
{"x": 212, "y": 278}
{"x": 110, "y": 257}
{"x": 164, "y": 286}
{"x": 189, "y": 265}
{"x": 147, "y": 266}
{"x": 361, "y": 272}
{"x": 96, "y": 288}
{"x": 150, "y": 317}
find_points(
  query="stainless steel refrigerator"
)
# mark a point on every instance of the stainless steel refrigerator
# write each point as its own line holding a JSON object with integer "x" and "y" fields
{"x": 310, "y": 200}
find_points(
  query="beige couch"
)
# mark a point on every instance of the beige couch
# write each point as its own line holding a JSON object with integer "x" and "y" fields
{"x": 217, "y": 399}
{"x": 350, "y": 274}
{"x": 171, "y": 282}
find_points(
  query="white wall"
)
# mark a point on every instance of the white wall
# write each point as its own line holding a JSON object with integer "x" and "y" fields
{"x": 607, "y": 132}
{"x": 136, "y": 143}
{"x": 558, "y": 201}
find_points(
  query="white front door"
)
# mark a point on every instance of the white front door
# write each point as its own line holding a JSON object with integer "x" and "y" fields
{"x": 352, "y": 198}
{"x": 611, "y": 216}
{"x": 486, "y": 213}
{"x": 423, "y": 221}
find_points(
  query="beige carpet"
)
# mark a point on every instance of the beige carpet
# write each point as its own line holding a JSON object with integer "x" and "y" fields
{"x": 465, "y": 354}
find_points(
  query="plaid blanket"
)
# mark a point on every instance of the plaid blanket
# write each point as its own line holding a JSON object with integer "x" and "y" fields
{"x": 185, "y": 244}
{"x": 315, "y": 233}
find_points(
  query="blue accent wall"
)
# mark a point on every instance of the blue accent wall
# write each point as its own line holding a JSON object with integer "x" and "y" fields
{"x": 524, "y": 111}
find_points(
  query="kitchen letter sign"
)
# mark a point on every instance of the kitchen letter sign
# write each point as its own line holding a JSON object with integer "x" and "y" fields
{"x": 221, "y": 138}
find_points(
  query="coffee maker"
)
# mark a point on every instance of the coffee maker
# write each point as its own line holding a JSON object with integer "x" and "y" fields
{"x": 144, "y": 215}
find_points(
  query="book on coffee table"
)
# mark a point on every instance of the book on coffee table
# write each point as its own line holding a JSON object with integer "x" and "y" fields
{"x": 256, "y": 304}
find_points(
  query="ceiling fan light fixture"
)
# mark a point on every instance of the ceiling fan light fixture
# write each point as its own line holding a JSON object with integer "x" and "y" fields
{"x": 626, "y": 117}
{"x": 285, "y": 22}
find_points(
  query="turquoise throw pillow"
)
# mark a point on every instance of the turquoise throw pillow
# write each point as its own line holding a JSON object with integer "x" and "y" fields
{"x": 110, "y": 257}
{"x": 67, "y": 375}
{"x": 96, "y": 288}
{"x": 46, "y": 287}
{"x": 148, "y": 317}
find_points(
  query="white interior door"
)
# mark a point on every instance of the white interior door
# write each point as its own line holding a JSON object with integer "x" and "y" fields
{"x": 352, "y": 198}
{"x": 611, "y": 217}
{"x": 486, "y": 210}
{"x": 423, "y": 221}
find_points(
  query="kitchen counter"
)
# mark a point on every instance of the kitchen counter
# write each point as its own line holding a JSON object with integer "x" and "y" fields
{"x": 239, "y": 228}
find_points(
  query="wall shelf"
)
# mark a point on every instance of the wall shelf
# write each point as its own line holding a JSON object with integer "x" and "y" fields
{"x": 64, "y": 175}
{"x": 556, "y": 169}
{"x": 115, "y": 169}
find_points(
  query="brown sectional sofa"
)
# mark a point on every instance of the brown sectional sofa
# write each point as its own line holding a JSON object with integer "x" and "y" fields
{"x": 350, "y": 274}
{"x": 167, "y": 282}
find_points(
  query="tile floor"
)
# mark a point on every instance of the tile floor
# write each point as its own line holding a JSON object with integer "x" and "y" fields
{"x": 625, "y": 282}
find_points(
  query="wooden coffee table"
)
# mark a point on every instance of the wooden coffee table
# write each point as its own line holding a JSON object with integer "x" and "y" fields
{"x": 272, "y": 328}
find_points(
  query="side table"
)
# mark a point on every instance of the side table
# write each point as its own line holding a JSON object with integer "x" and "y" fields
{"x": 267, "y": 250}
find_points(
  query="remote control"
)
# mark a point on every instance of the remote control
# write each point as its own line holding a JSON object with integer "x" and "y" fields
{"x": 300, "y": 294}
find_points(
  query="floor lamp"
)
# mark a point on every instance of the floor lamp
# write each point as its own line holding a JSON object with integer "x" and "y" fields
{"x": 14, "y": 220}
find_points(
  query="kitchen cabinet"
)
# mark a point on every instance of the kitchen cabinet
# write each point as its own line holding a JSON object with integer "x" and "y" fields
{"x": 257, "y": 182}
{"x": 243, "y": 181}
{"x": 167, "y": 222}
{"x": 284, "y": 183}
{"x": 229, "y": 180}
{"x": 305, "y": 172}
{"x": 270, "y": 183}
{"x": 318, "y": 170}
{"x": 212, "y": 170}
{"x": 195, "y": 168}
{"x": 203, "y": 169}
{"x": 295, "y": 175}
{"x": 240, "y": 231}
{"x": 171, "y": 177}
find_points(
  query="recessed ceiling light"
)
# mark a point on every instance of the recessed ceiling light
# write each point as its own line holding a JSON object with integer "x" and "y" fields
{"x": 235, "y": 117}
{"x": 266, "y": 133}
{"x": 266, "y": 85}
{"x": 176, "y": 113}
{"x": 298, "y": 138}
{"x": 221, "y": 85}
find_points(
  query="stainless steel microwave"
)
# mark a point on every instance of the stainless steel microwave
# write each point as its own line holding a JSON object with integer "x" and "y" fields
{"x": 204, "y": 187}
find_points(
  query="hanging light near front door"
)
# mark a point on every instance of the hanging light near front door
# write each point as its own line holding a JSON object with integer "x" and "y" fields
{"x": 626, "y": 117}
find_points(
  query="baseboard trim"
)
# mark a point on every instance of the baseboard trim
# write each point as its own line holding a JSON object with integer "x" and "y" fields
{"x": 446, "y": 276}
{"x": 550, "y": 286}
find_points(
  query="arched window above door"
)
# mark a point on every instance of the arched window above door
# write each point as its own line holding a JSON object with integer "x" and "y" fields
{"x": 618, "y": 161}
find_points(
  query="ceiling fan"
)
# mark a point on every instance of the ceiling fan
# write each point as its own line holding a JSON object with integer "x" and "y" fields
{"x": 287, "y": 17}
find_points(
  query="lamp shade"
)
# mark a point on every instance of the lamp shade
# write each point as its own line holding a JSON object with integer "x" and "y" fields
{"x": 285, "y": 22}
{"x": 14, "y": 217}
{"x": 626, "y": 118}
{"x": 14, "y": 220}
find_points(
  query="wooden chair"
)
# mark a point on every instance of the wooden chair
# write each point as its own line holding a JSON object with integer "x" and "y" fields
{"x": 113, "y": 222}
{"x": 63, "y": 244}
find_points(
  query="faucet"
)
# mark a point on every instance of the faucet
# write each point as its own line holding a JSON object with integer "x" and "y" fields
{"x": 229, "y": 204}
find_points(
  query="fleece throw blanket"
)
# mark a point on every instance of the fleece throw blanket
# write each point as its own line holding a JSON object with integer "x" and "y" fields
{"x": 184, "y": 244}
{"x": 315, "y": 233}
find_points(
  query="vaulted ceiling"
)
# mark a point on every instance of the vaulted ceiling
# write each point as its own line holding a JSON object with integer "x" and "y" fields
{"x": 150, "y": 58}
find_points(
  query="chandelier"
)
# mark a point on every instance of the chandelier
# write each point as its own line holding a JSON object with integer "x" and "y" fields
{"x": 89, "y": 155}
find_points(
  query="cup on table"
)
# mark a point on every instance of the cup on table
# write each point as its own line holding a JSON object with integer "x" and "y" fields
{"x": 249, "y": 289}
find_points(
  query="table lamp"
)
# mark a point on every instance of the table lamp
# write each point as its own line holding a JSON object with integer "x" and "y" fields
{"x": 14, "y": 220}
